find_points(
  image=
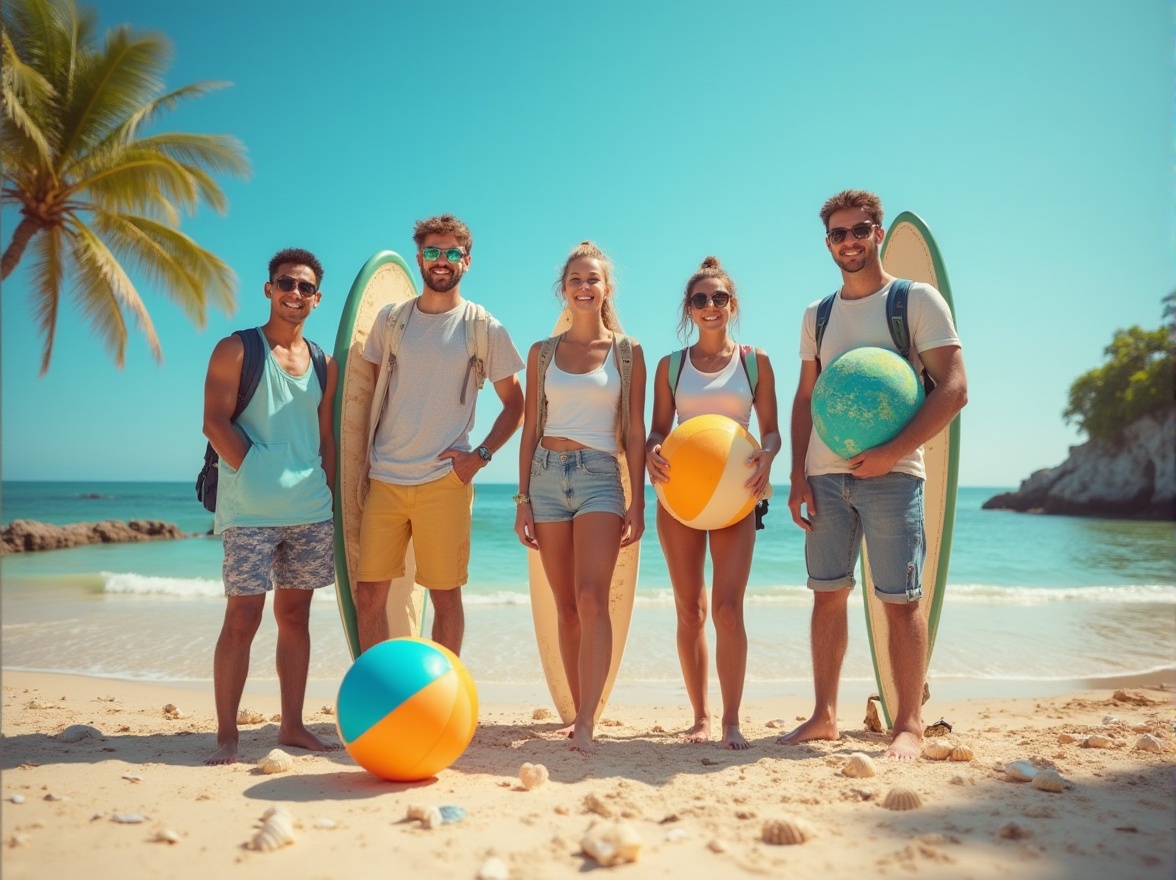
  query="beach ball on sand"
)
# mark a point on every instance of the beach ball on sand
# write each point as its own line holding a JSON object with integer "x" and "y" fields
{"x": 407, "y": 709}
{"x": 864, "y": 399}
{"x": 708, "y": 469}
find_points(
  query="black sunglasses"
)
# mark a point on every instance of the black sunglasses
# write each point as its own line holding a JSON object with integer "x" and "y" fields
{"x": 286, "y": 284}
{"x": 837, "y": 234}
{"x": 720, "y": 299}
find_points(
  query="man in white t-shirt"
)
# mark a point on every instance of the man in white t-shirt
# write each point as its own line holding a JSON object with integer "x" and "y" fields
{"x": 422, "y": 463}
{"x": 878, "y": 493}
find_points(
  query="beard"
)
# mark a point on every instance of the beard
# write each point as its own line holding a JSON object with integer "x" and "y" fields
{"x": 442, "y": 285}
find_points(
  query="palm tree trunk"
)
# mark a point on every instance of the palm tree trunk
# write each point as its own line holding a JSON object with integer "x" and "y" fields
{"x": 28, "y": 227}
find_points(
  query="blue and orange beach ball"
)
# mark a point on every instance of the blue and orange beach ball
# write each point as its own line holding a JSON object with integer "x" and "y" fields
{"x": 407, "y": 709}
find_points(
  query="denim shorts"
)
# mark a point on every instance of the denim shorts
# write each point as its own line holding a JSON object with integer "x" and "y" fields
{"x": 567, "y": 484}
{"x": 261, "y": 558}
{"x": 888, "y": 511}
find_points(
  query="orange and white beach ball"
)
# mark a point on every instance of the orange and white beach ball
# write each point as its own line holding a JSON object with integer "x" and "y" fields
{"x": 708, "y": 469}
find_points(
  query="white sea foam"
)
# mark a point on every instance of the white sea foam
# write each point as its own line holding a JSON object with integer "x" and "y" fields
{"x": 131, "y": 584}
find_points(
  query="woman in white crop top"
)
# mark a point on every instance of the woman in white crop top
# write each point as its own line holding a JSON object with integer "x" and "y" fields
{"x": 712, "y": 380}
{"x": 570, "y": 493}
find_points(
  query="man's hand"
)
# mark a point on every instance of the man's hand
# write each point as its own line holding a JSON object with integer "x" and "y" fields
{"x": 465, "y": 464}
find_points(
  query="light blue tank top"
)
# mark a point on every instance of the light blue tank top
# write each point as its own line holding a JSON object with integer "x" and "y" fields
{"x": 281, "y": 481}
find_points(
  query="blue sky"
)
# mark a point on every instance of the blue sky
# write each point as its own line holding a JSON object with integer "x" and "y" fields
{"x": 1035, "y": 139}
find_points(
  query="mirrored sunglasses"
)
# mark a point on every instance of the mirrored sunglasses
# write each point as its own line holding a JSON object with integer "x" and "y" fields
{"x": 451, "y": 254}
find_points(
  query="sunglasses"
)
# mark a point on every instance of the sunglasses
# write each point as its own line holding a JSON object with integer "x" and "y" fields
{"x": 434, "y": 253}
{"x": 837, "y": 234}
{"x": 286, "y": 284}
{"x": 719, "y": 300}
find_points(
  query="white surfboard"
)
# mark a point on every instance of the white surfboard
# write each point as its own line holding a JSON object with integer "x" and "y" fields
{"x": 620, "y": 604}
{"x": 384, "y": 279}
{"x": 910, "y": 252}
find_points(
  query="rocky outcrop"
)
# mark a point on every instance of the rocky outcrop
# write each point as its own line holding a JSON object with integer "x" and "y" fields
{"x": 1133, "y": 477}
{"x": 25, "y": 535}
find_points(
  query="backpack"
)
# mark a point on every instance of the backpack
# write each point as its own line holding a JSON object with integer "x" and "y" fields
{"x": 477, "y": 333}
{"x": 746, "y": 357}
{"x": 622, "y": 351}
{"x": 896, "y": 323}
{"x": 252, "y": 366}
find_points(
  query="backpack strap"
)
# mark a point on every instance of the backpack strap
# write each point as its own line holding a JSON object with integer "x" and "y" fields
{"x": 319, "y": 361}
{"x": 896, "y": 316}
{"x": 477, "y": 334}
{"x": 252, "y": 366}
{"x": 824, "y": 310}
{"x": 623, "y": 352}
{"x": 395, "y": 321}
{"x": 750, "y": 366}
{"x": 546, "y": 353}
{"x": 676, "y": 359}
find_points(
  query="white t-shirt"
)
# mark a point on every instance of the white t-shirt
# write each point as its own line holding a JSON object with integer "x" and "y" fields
{"x": 857, "y": 323}
{"x": 423, "y": 415}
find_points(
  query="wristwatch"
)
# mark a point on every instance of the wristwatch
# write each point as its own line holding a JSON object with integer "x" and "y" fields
{"x": 483, "y": 453}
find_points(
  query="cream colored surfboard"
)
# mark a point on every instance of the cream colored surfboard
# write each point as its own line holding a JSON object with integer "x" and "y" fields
{"x": 910, "y": 252}
{"x": 620, "y": 605}
{"x": 384, "y": 279}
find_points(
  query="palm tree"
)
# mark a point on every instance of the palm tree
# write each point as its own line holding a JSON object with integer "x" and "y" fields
{"x": 96, "y": 193}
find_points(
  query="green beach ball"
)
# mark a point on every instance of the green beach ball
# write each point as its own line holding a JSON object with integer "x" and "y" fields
{"x": 864, "y": 399}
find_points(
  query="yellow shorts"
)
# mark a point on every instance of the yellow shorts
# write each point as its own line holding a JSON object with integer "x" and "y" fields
{"x": 435, "y": 516}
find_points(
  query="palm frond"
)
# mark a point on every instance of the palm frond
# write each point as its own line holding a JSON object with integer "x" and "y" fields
{"x": 24, "y": 93}
{"x": 48, "y": 269}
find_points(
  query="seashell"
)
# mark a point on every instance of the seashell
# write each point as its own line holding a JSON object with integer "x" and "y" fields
{"x": 788, "y": 831}
{"x": 172, "y": 711}
{"x": 937, "y": 749}
{"x": 78, "y": 732}
{"x": 902, "y": 799}
{"x": 1013, "y": 831}
{"x": 962, "y": 753}
{"x": 1149, "y": 743}
{"x": 17, "y": 798}
{"x": 717, "y": 846}
{"x": 128, "y": 818}
{"x": 1020, "y": 771}
{"x": 533, "y": 775}
{"x": 1097, "y": 741}
{"x": 594, "y": 804}
{"x": 277, "y": 831}
{"x": 1049, "y": 780}
{"x": 166, "y": 835}
{"x": 249, "y": 716}
{"x": 493, "y": 868}
{"x": 611, "y": 843}
{"x": 429, "y": 817}
{"x": 541, "y": 714}
{"x": 276, "y": 761}
{"x": 859, "y": 766}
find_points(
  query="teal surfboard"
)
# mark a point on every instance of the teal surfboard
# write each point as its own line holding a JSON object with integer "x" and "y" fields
{"x": 384, "y": 279}
{"x": 909, "y": 251}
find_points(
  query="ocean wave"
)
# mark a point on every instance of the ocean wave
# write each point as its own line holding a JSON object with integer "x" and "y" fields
{"x": 131, "y": 584}
{"x": 1134, "y": 594}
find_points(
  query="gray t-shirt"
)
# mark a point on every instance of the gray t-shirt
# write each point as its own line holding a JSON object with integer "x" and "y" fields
{"x": 423, "y": 414}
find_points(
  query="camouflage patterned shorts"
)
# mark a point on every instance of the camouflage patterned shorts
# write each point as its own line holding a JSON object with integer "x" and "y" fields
{"x": 261, "y": 558}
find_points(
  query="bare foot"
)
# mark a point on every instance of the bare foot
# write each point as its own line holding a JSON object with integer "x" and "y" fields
{"x": 733, "y": 739}
{"x": 905, "y": 746}
{"x": 700, "y": 732}
{"x": 582, "y": 741}
{"x": 226, "y": 753}
{"x": 814, "y": 728}
{"x": 566, "y": 731}
{"x": 302, "y": 738}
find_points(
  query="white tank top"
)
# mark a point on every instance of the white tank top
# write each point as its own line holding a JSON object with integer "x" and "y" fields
{"x": 725, "y": 393}
{"x": 583, "y": 406}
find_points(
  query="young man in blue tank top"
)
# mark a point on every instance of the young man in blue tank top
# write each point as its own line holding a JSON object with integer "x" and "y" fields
{"x": 274, "y": 499}
{"x": 878, "y": 493}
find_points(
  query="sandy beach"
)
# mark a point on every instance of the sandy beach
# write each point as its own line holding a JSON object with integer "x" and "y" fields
{"x": 697, "y": 810}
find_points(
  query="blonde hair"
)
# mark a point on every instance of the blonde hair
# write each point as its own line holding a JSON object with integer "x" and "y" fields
{"x": 588, "y": 250}
{"x": 709, "y": 268}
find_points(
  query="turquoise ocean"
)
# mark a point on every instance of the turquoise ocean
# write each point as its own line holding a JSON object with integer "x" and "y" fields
{"x": 1030, "y": 599}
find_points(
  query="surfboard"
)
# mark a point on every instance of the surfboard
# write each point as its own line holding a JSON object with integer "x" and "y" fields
{"x": 384, "y": 279}
{"x": 621, "y": 594}
{"x": 909, "y": 251}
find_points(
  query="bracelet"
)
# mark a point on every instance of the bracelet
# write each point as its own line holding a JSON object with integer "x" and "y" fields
{"x": 521, "y": 498}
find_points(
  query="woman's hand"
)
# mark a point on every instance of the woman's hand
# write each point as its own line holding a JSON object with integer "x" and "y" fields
{"x": 634, "y": 525}
{"x": 761, "y": 460}
{"x": 525, "y": 526}
{"x": 658, "y": 467}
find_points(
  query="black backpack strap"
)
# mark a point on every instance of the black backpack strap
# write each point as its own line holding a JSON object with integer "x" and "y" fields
{"x": 896, "y": 316}
{"x": 251, "y": 367}
{"x": 319, "y": 360}
{"x": 824, "y": 310}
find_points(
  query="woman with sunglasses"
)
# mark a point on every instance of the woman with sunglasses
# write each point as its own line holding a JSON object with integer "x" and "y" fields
{"x": 571, "y": 505}
{"x": 713, "y": 379}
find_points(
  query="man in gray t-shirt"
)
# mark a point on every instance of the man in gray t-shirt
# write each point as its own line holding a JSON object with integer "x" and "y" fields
{"x": 422, "y": 463}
